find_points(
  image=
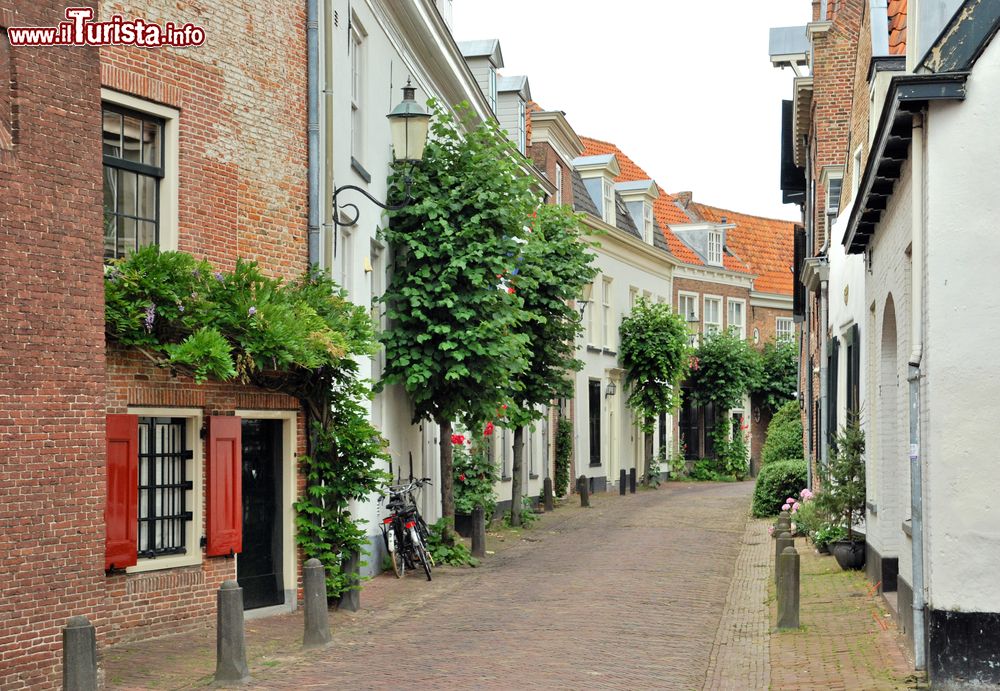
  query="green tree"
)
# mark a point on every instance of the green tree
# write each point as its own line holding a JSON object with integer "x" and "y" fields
{"x": 777, "y": 380}
{"x": 454, "y": 339}
{"x": 654, "y": 353}
{"x": 551, "y": 270}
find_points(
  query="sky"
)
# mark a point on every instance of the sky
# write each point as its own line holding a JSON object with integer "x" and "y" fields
{"x": 684, "y": 88}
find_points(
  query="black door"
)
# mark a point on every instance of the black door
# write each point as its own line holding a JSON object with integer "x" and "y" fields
{"x": 258, "y": 567}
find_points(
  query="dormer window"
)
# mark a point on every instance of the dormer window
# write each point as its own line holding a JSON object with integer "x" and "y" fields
{"x": 639, "y": 196}
{"x": 647, "y": 223}
{"x": 522, "y": 143}
{"x": 608, "y": 207}
{"x": 714, "y": 254}
{"x": 598, "y": 174}
{"x": 493, "y": 90}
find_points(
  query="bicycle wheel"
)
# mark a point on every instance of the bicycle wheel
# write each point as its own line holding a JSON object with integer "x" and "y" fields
{"x": 396, "y": 555}
{"x": 422, "y": 555}
{"x": 425, "y": 535}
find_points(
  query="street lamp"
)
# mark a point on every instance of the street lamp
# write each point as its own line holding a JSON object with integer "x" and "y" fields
{"x": 584, "y": 299}
{"x": 408, "y": 124}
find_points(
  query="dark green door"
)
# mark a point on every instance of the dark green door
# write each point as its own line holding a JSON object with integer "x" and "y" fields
{"x": 258, "y": 567}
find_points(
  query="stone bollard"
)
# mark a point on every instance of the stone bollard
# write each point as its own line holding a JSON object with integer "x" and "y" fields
{"x": 550, "y": 500}
{"x": 230, "y": 643}
{"x": 784, "y": 540}
{"x": 317, "y": 631}
{"x": 631, "y": 480}
{"x": 478, "y": 532}
{"x": 622, "y": 482}
{"x": 79, "y": 655}
{"x": 788, "y": 589}
{"x": 350, "y": 599}
{"x": 583, "y": 487}
{"x": 784, "y": 523}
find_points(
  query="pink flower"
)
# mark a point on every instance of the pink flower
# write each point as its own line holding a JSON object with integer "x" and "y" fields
{"x": 785, "y": 507}
{"x": 795, "y": 508}
{"x": 790, "y": 500}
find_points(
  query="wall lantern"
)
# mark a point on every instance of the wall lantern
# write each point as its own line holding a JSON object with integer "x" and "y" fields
{"x": 408, "y": 125}
{"x": 611, "y": 390}
{"x": 584, "y": 299}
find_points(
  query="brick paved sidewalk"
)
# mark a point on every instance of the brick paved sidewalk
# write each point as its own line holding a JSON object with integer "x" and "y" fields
{"x": 848, "y": 639}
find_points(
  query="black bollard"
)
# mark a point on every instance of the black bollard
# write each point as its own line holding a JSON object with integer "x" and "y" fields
{"x": 788, "y": 589}
{"x": 631, "y": 480}
{"x": 350, "y": 599}
{"x": 622, "y": 482}
{"x": 79, "y": 655}
{"x": 550, "y": 501}
{"x": 583, "y": 486}
{"x": 230, "y": 643}
{"x": 317, "y": 629}
{"x": 478, "y": 532}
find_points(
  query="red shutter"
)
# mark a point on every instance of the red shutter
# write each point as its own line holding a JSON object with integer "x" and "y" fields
{"x": 225, "y": 486}
{"x": 121, "y": 511}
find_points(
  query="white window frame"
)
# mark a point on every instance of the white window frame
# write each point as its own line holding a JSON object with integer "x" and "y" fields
{"x": 633, "y": 297}
{"x": 559, "y": 183}
{"x": 684, "y": 296}
{"x": 711, "y": 326}
{"x": 194, "y": 418}
{"x": 593, "y": 319}
{"x": 647, "y": 222}
{"x": 781, "y": 334}
{"x": 607, "y": 312}
{"x": 741, "y": 327}
{"x": 608, "y": 197}
{"x": 493, "y": 89}
{"x": 522, "y": 143}
{"x": 356, "y": 47}
{"x": 856, "y": 172}
{"x": 713, "y": 248}
{"x": 169, "y": 203}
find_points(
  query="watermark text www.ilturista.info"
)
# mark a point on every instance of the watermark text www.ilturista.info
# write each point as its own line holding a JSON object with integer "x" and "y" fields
{"x": 79, "y": 30}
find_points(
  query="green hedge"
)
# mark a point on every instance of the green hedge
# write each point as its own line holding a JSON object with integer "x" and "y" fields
{"x": 775, "y": 483}
{"x": 784, "y": 435}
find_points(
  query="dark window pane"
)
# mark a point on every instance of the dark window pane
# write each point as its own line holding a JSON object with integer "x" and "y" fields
{"x": 151, "y": 143}
{"x": 131, "y": 136}
{"x": 147, "y": 233}
{"x": 126, "y": 236}
{"x": 126, "y": 192}
{"x": 110, "y": 189}
{"x": 109, "y": 235}
{"x": 112, "y": 134}
{"x": 147, "y": 197}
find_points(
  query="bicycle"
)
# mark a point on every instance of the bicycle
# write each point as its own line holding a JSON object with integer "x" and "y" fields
{"x": 405, "y": 531}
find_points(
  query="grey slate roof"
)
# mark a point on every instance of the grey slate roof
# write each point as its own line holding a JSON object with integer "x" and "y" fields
{"x": 486, "y": 48}
{"x": 623, "y": 219}
{"x": 581, "y": 197}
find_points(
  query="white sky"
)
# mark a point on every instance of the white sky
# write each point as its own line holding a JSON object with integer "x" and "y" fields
{"x": 683, "y": 88}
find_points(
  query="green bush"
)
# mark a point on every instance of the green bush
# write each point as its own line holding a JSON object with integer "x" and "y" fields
{"x": 784, "y": 436}
{"x": 775, "y": 483}
{"x": 444, "y": 551}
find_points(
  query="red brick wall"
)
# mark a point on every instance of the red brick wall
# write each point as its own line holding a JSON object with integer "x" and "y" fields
{"x": 51, "y": 349}
{"x": 143, "y": 604}
{"x": 545, "y": 159}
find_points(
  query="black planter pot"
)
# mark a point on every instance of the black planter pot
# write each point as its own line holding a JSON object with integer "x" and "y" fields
{"x": 850, "y": 555}
{"x": 463, "y": 524}
{"x": 822, "y": 547}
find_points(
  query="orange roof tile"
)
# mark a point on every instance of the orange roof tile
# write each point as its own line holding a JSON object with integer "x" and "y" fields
{"x": 897, "y": 27}
{"x": 766, "y": 245}
{"x": 664, "y": 208}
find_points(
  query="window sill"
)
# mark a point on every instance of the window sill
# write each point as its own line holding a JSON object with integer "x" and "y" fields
{"x": 360, "y": 170}
{"x": 506, "y": 478}
{"x": 907, "y": 527}
{"x": 608, "y": 351}
{"x": 596, "y": 465}
{"x": 532, "y": 476}
{"x": 594, "y": 349}
{"x": 161, "y": 563}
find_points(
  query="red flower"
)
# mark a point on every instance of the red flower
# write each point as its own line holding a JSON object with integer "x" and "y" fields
{"x": 510, "y": 290}
{"x": 461, "y": 478}
{"x": 457, "y": 439}
{"x": 504, "y": 406}
{"x": 488, "y": 430}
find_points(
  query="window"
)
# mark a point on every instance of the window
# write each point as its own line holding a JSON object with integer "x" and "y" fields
{"x": 647, "y": 223}
{"x": 164, "y": 487}
{"x": 713, "y": 315}
{"x": 529, "y": 448}
{"x": 606, "y": 313}
{"x": 633, "y": 297}
{"x": 834, "y": 185}
{"x": 609, "y": 202}
{"x": 714, "y": 247}
{"x": 737, "y": 317}
{"x": 559, "y": 184}
{"x": 357, "y": 51}
{"x": 856, "y": 173}
{"x": 504, "y": 455}
{"x": 592, "y": 319}
{"x": 594, "y": 418}
{"x": 133, "y": 156}
{"x": 784, "y": 329}
{"x": 522, "y": 143}
{"x": 493, "y": 90}
{"x": 687, "y": 306}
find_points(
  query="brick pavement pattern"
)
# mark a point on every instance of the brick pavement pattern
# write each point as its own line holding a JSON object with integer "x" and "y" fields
{"x": 627, "y": 594}
{"x": 740, "y": 656}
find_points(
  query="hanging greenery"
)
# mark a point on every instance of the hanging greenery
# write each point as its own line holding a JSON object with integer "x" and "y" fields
{"x": 723, "y": 370}
{"x": 777, "y": 379}
{"x": 454, "y": 339}
{"x": 297, "y": 338}
{"x": 564, "y": 448}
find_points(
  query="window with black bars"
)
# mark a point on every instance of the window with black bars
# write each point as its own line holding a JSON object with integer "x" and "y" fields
{"x": 594, "y": 415}
{"x": 133, "y": 169}
{"x": 163, "y": 486}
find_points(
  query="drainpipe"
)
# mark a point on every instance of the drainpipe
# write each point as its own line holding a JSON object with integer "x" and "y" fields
{"x": 312, "y": 50}
{"x": 824, "y": 446}
{"x": 916, "y": 340}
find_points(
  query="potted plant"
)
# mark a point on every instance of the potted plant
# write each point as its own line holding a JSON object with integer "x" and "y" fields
{"x": 843, "y": 497}
{"x": 474, "y": 477}
{"x": 824, "y": 535}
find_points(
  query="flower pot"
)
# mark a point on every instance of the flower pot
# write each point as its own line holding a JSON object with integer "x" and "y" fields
{"x": 822, "y": 548}
{"x": 849, "y": 554}
{"x": 463, "y": 524}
